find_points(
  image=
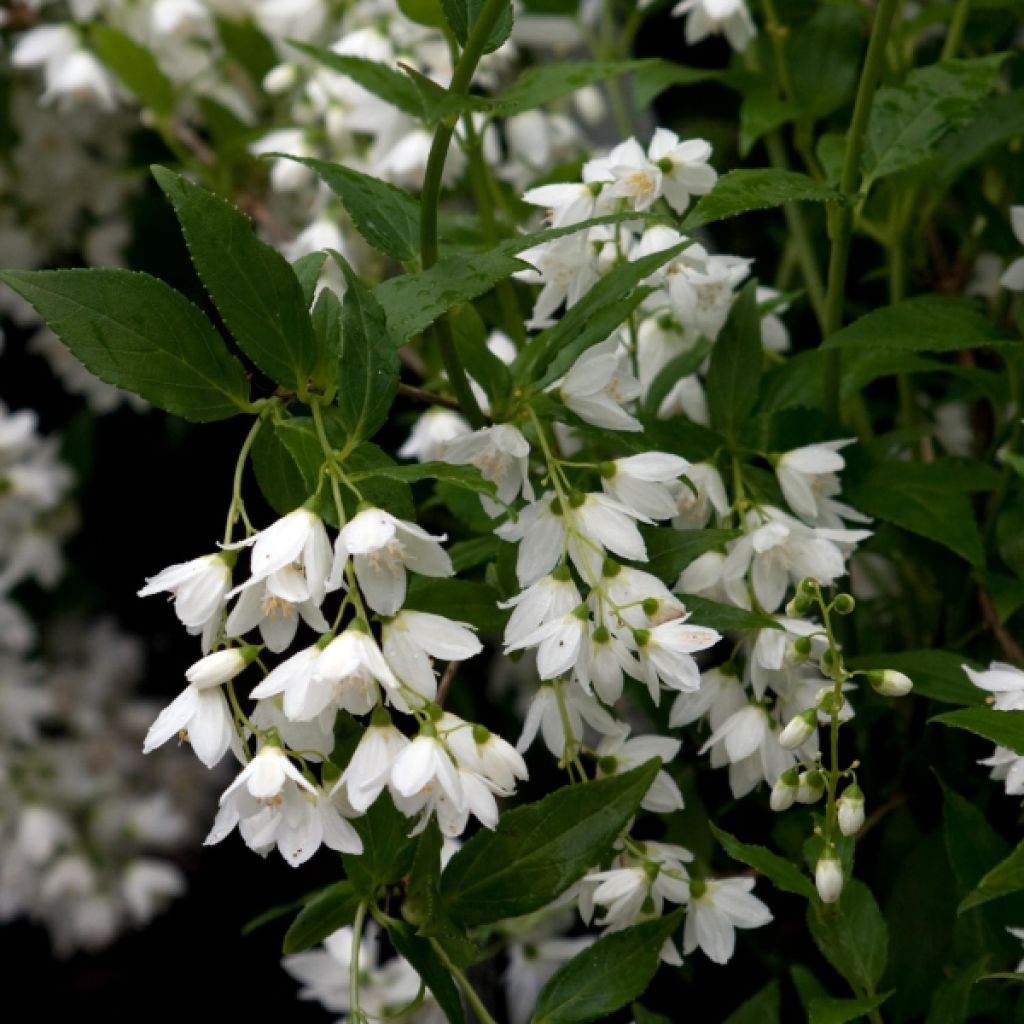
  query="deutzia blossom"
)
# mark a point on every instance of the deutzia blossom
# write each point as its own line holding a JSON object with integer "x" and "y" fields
{"x": 713, "y": 17}
{"x": 545, "y": 715}
{"x": 808, "y": 479}
{"x": 701, "y": 498}
{"x": 637, "y": 482}
{"x": 1013, "y": 275}
{"x": 199, "y": 589}
{"x": 598, "y": 386}
{"x": 666, "y": 655}
{"x": 264, "y": 605}
{"x": 684, "y": 166}
{"x": 432, "y": 433}
{"x": 501, "y": 453}
{"x": 717, "y": 907}
{"x": 412, "y": 638}
{"x": 620, "y": 753}
{"x": 382, "y": 547}
{"x": 551, "y": 597}
{"x": 635, "y": 178}
{"x": 369, "y": 768}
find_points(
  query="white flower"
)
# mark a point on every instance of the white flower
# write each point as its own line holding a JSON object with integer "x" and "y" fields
{"x": 382, "y": 548}
{"x": 219, "y": 667}
{"x": 601, "y": 522}
{"x": 199, "y": 714}
{"x": 569, "y": 203}
{"x": 558, "y": 642}
{"x": 636, "y": 178}
{"x": 603, "y": 660}
{"x": 1013, "y": 275}
{"x": 666, "y": 655}
{"x": 713, "y": 17}
{"x": 741, "y": 734}
{"x": 369, "y": 769}
{"x": 704, "y": 495}
{"x": 565, "y": 268}
{"x": 549, "y": 598}
{"x": 684, "y": 166}
{"x": 540, "y": 530}
{"x": 293, "y": 678}
{"x": 1002, "y": 679}
{"x": 424, "y": 777}
{"x": 147, "y": 885}
{"x": 828, "y": 877}
{"x": 641, "y": 600}
{"x": 347, "y": 673}
{"x": 267, "y": 605}
{"x": 799, "y": 730}
{"x": 432, "y": 433}
{"x": 617, "y": 753}
{"x": 264, "y": 776}
{"x": 702, "y": 291}
{"x": 531, "y": 962}
{"x": 620, "y": 891}
{"x": 637, "y": 483}
{"x": 298, "y": 541}
{"x": 501, "y": 453}
{"x": 199, "y": 589}
{"x": 412, "y": 638}
{"x": 484, "y": 753}
{"x": 546, "y": 716}
{"x": 716, "y": 908}
{"x": 598, "y": 385}
{"x": 851, "y": 810}
{"x": 807, "y": 475}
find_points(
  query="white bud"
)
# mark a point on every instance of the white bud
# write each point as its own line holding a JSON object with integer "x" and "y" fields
{"x": 218, "y": 667}
{"x": 784, "y": 792}
{"x": 799, "y": 730}
{"x": 851, "y": 810}
{"x": 890, "y": 683}
{"x": 828, "y": 877}
{"x": 810, "y": 788}
{"x": 280, "y": 79}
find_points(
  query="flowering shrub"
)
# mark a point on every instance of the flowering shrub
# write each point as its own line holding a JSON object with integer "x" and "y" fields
{"x": 546, "y": 509}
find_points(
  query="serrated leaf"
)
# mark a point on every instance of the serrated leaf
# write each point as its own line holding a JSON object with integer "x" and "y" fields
{"x": 546, "y": 82}
{"x": 745, "y": 189}
{"x": 655, "y": 76}
{"x": 735, "y": 371}
{"x": 539, "y": 850}
{"x": 725, "y": 617}
{"x": 462, "y": 15}
{"x": 998, "y": 121}
{"x": 368, "y": 366}
{"x": 135, "y": 66}
{"x": 669, "y": 551}
{"x": 783, "y": 874}
{"x": 920, "y": 497}
{"x": 135, "y": 332}
{"x": 386, "y": 216}
{"x": 1003, "y": 727}
{"x": 908, "y": 120}
{"x": 841, "y": 1011}
{"x": 307, "y": 269}
{"x": 466, "y": 477}
{"x": 330, "y": 909}
{"x": 281, "y": 481}
{"x": 936, "y": 674}
{"x": 605, "y": 976}
{"x": 851, "y": 935}
{"x": 429, "y": 966}
{"x": 251, "y": 284}
{"x": 1005, "y": 878}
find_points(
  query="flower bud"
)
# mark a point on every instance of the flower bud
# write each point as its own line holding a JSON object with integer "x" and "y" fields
{"x": 828, "y": 877}
{"x": 827, "y": 662}
{"x": 220, "y": 666}
{"x": 851, "y": 810}
{"x": 843, "y": 604}
{"x": 801, "y": 649}
{"x": 799, "y": 730}
{"x": 811, "y": 787}
{"x": 828, "y": 700}
{"x": 280, "y": 79}
{"x": 809, "y": 586}
{"x": 784, "y": 791}
{"x": 890, "y": 683}
{"x": 799, "y": 606}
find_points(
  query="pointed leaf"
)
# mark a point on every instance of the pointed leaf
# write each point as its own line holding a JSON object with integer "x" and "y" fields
{"x": 841, "y": 1011}
{"x": 330, "y": 909}
{"x": 1003, "y": 727}
{"x": 735, "y": 371}
{"x": 783, "y": 874}
{"x": 851, "y": 935}
{"x": 429, "y": 966}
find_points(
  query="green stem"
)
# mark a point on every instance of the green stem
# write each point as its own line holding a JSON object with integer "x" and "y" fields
{"x": 842, "y": 216}
{"x": 430, "y": 200}
{"x": 236, "y": 485}
{"x": 355, "y": 1014}
{"x": 481, "y": 1011}
{"x": 609, "y": 51}
{"x": 956, "y": 29}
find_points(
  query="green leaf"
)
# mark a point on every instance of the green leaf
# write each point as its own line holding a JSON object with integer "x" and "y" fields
{"x": 386, "y": 216}
{"x": 466, "y": 477}
{"x": 424, "y": 12}
{"x": 135, "y": 332}
{"x": 387, "y": 849}
{"x": 744, "y": 190}
{"x": 670, "y": 551}
{"x": 281, "y": 480}
{"x": 393, "y": 495}
{"x": 997, "y": 122}
{"x": 763, "y": 1008}
{"x": 782, "y": 873}
{"x": 462, "y": 15}
{"x": 135, "y": 66}
{"x": 840, "y": 1011}
{"x": 1010, "y": 529}
{"x": 674, "y": 371}
{"x": 907, "y": 121}
{"x": 389, "y": 84}
{"x": 642, "y": 1016}
{"x": 725, "y": 617}
{"x": 605, "y": 976}
{"x": 824, "y": 56}
{"x": 462, "y": 600}
{"x": 655, "y": 76}
{"x": 368, "y": 367}
{"x": 468, "y": 554}
{"x": 921, "y": 498}
{"x": 936, "y": 674}
{"x": 851, "y": 935}
{"x": 1003, "y": 727}
{"x": 1005, "y": 878}
{"x": 470, "y": 334}
{"x": 928, "y": 323}
{"x": 330, "y": 909}
{"x": 429, "y": 966}
{"x": 951, "y": 1002}
{"x": 251, "y": 284}
{"x": 539, "y": 850}
{"x": 546, "y": 82}
{"x": 808, "y": 987}
{"x": 307, "y": 269}
{"x": 275, "y": 913}
{"x": 735, "y": 370}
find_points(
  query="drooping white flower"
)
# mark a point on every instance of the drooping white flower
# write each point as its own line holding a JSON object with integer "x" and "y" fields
{"x": 369, "y": 769}
{"x": 545, "y": 715}
{"x": 701, "y": 498}
{"x": 501, "y": 453}
{"x": 382, "y": 548}
{"x": 483, "y": 752}
{"x": 599, "y": 385}
{"x": 292, "y": 678}
{"x": 199, "y": 589}
{"x": 635, "y": 177}
{"x": 666, "y": 655}
{"x": 549, "y": 598}
{"x": 347, "y": 673}
{"x": 264, "y": 776}
{"x": 637, "y": 482}
{"x": 268, "y": 606}
{"x": 199, "y": 714}
{"x": 828, "y": 877}
{"x": 412, "y": 638}
{"x": 620, "y": 753}
{"x": 702, "y": 291}
{"x": 432, "y": 433}
{"x": 640, "y": 600}
{"x": 540, "y": 530}
{"x": 569, "y": 203}
{"x": 807, "y": 475}
{"x": 717, "y": 907}
{"x": 684, "y": 166}
{"x": 717, "y": 17}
